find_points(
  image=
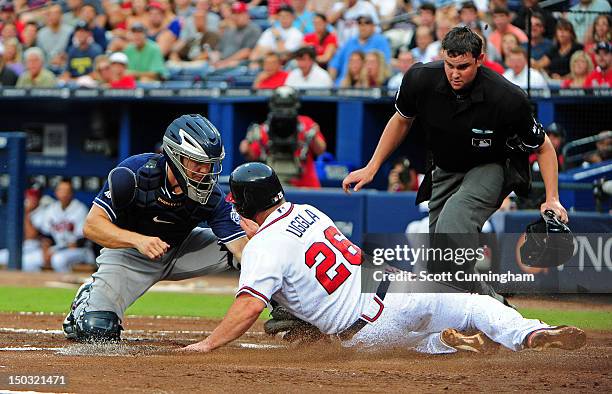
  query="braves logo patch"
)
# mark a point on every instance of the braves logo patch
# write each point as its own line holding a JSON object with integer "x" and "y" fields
{"x": 234, "y": 216}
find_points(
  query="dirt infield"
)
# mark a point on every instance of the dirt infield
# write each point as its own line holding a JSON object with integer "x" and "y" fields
{"x": 144, "y": 361}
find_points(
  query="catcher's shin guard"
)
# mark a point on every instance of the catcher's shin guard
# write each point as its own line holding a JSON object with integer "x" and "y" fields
{"x": 69, "y": 324}
{"x": 90, "y": 326}
{"x": 98, "y": 326}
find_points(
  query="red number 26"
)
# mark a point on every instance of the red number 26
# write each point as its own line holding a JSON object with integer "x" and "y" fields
{"x": 349, "y": 251}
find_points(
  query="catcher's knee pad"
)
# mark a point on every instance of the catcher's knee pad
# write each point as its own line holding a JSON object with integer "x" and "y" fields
{"x": 98, "y": 326}
{"x": 82, "y": 294}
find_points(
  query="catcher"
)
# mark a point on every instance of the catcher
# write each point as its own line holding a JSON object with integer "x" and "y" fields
{"x": 147, "y": 217}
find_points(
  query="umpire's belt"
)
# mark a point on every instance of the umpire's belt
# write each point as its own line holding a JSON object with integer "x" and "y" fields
{"x": 362, "y": 321}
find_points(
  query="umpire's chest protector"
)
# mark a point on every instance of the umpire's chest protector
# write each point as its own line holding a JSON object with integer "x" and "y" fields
{"x": 470, "y": 129}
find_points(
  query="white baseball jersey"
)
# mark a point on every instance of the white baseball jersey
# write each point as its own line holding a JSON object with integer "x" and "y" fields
{"x": 64, "y": 225}
{"x": 292, "y": 38}
{"x": 301, "y": 260}
{"x": 347, "y": 24}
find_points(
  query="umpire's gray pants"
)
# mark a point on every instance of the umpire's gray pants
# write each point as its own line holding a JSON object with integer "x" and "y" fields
{"x": 125, "y": 274}
{"x": 461, "y": 203}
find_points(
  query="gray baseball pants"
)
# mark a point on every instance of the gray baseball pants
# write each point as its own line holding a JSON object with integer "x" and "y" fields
{"x": 461, "y": 203}
{"x": 125, "y": 274}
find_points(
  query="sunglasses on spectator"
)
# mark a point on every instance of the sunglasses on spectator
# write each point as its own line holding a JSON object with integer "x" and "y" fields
{"x": 364, "y": 23}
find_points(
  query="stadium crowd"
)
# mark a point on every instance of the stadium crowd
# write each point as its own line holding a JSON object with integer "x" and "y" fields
{"x": 300, "y": 43}
{"x": 303, "y": 44}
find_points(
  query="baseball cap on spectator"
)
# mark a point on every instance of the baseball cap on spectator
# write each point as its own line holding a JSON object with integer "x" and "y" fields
{"x": 155, "y": 5}
{"x": 286, "y": 8}
{"x": 137, "y": 26}
{"x": 33, "y": 192}
{"x": 239, "y": 8}
{"x": 365, "y": 19}
{"x": 119, "y": 57}
{"x": 81, "y": 25}
{"x": 602, "y": 45}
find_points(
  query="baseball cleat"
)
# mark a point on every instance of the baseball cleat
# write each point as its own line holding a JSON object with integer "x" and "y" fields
{"x": 561, "y": 337}
{"x": 477, "y": 343}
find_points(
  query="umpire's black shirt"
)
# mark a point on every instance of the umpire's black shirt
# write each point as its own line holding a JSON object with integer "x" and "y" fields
{"x": 470, "y": 129}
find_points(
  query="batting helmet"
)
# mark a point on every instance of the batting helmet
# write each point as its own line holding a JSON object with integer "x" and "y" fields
{"x": 548, "y": 242}
{"x": 254, "y": 188}
{"x": 189, "y": 143}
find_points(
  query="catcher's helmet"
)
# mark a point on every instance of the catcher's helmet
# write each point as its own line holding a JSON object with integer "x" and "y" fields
{"x": 548, "y": 242}
{"x": 254, "y": 188}
{"x": 190, "y": 142}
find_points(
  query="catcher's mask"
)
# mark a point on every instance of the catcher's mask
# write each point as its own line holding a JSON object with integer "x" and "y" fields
{"x": 194, "y": 151}
{"x": 254, "y": 187}
{"x": 548, "y": 242}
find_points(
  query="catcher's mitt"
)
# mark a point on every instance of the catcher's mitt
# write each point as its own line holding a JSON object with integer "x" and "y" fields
{"x": 294, "y": 330}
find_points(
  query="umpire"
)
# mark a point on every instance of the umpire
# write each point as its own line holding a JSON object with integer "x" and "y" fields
{"x": 480, "y": 132}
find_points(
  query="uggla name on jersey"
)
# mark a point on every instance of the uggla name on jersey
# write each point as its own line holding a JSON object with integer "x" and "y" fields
{"x": 300, "y": 224}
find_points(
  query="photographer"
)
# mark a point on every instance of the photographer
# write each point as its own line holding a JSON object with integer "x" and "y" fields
{"x": 286, "y": 141}
{"x": 402, "y": 178}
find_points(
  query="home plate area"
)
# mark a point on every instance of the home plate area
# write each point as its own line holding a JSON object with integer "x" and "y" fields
{"x": 145, "y": 360}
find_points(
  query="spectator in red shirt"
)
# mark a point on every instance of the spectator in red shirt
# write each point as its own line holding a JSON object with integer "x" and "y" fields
{"x": 324, "y": 42}
{"x": 487, "y": 62}
{"x": 289, "y": 132}
{"x": 121, "y": 80}
{"x": 272, "y": 75}
{"x": 580, "y": 67}
{"x": 601, "y": 77}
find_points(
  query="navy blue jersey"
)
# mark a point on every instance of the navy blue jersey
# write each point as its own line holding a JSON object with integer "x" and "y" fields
{"x": 171, "y": 217}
